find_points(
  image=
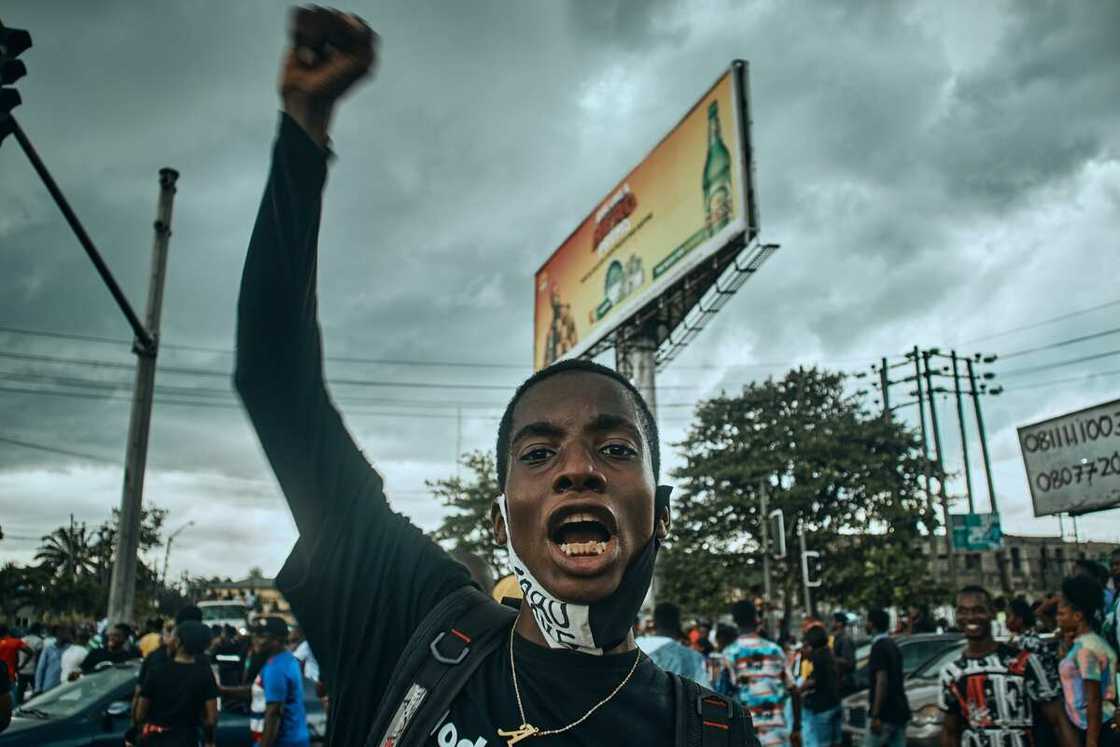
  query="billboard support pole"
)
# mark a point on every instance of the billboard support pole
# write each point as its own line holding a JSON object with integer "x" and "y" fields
{"x": 983, "y": 436}
{"x": 636, "y": 359}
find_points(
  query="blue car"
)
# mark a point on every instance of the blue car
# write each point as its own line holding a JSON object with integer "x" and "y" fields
{"x": 97, "y": 708}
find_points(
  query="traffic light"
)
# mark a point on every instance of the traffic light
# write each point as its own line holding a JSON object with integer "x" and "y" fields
{"x": 13, "y": 43}
{"x": 777, "y": 531}
{"x": 811, "y": 568}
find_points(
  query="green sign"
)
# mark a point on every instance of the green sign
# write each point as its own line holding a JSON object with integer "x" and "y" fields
{"x": 976, "y": 531}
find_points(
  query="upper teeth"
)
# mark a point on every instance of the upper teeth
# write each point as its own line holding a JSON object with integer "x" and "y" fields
{"x": 583, "y": 548}
{"x": 576, "y": 518}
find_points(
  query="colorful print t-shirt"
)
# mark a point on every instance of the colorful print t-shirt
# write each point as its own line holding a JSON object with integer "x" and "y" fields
{"x": 1088, "y": 659}
{"x": 760, "y": 672}
{"x": 994, "y": 695}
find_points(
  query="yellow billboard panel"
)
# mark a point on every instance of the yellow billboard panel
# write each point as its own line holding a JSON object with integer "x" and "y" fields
{"x": 684, "y": 202}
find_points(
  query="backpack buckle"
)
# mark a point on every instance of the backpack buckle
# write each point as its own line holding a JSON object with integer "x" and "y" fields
{"x": 451, "y": 658}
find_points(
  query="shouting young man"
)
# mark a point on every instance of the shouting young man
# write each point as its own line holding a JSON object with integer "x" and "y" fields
{"x": 989, "y": 693}
{"x": 577, "y": 456}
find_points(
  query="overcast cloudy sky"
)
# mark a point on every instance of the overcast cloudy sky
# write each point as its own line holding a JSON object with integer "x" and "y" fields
{"x": 936, "y": 173}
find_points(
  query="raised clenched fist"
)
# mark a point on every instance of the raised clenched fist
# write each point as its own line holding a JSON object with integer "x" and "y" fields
{"x": 330, "y": 51}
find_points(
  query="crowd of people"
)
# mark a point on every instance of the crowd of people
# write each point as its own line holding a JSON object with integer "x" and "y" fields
{"x": 185, "y": 668}
{"x": 1028, "y": 674}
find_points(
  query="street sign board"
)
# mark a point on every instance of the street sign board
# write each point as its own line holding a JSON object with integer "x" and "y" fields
{"x": 1073, "y": 460}
{"x": 690, "y": 198}
{"x": 976, "y": 532}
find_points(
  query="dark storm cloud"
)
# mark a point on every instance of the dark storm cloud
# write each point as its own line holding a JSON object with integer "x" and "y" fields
{"x": 924, "y": 169}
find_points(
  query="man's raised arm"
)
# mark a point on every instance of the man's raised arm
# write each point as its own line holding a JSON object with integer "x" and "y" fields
{"x": 279, "y": 355}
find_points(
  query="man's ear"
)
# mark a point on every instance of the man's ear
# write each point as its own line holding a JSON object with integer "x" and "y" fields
{"x": 498, "y": 523}
{"x": 661, "y": 515}
{"x": 664, "y": 521}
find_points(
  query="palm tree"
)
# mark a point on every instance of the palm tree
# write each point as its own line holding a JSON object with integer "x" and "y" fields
{"x": 67, "y": 551}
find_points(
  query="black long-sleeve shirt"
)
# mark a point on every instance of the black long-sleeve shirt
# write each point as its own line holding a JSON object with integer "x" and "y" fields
{"x": 362, "y": 577}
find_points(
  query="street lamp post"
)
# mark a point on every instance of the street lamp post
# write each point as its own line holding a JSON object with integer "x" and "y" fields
{"x": 167, "y": 551}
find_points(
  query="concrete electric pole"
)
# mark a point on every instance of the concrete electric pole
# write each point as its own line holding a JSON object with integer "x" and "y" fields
{"x": 122, "y": 591}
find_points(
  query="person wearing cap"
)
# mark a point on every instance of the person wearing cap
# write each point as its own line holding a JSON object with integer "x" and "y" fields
{"x": 179, "y": 696}
{"x": 277, "y": 716}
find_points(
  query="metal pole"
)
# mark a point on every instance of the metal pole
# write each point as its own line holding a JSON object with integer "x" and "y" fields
{"x": 964, "y": 435}
{"x": 764, "y": 515}
{"x": 941, "y": 471}
{"x": 167, "y": 551}
{"x": 884, "y": 384}
{"x": 983, "y": 437}
{"x": 145, "y": 337}
{"x": 925, "y": 454}
{"x": 804, "y": 571}
{"x": 122, "y": 590}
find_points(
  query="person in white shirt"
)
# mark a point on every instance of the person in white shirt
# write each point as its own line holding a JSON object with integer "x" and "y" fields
{"x": 73, "y": 657}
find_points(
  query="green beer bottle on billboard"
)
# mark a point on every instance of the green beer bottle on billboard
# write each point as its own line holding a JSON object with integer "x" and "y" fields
{"x": 717, "y": 176}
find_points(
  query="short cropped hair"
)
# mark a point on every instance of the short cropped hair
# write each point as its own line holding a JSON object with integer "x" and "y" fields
{"x": 1022, "y": 610}
{"x": 667, "y": 617}
{"x": 879, "y": 618}
{"x": 979, "y": 590}
{"x": 647, "y": 422}
{"x": 745, "y": 613}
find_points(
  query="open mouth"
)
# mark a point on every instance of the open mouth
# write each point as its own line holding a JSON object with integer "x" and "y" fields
{"x": 583, "y": 537}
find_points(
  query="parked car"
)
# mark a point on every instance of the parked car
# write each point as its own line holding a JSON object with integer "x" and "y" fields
{"x": 924, "y": 729}
{"x": 95, "y": 711}
{"x": 916, "y": 650}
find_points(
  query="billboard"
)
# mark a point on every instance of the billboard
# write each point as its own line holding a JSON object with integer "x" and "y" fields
{"x": 689, "y": 198}
{"x": 1073, "y": 460}
{"x": 976, "y": 532}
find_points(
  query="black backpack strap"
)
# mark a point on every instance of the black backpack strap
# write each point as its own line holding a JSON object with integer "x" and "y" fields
{"x": 707, "y": 719}
{"x": 446, "y": 649}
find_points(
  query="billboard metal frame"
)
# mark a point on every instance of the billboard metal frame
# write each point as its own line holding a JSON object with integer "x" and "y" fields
{"x": 678, "y": 312}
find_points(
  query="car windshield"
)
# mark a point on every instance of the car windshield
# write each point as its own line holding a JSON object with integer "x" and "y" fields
{"x": 931, "y": 670}
{"x": 73, "y": 697}
{"x": 223, "y": 612}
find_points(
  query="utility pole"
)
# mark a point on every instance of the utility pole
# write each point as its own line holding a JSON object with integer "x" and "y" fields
{"x": 940, "y": 469}
{"x": 964, "y": 435}
{"x": 122, "y": 590}
{"x": 925, "y": 453}
{"x": 885, "y": 385}
{"x": 983, "y": 435}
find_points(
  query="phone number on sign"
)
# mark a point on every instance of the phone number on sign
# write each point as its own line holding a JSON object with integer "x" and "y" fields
{"x": 1078, "y": 473}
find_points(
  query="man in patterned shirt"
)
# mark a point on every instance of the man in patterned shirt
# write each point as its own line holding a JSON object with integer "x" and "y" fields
{"x": 989, "y": 692}
{"x": 759, "y": 668}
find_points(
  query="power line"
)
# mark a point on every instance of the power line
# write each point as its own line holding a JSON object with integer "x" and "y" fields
{"x": 227, "y": 351}
{"x": 56, "y": 450}
{"x": 1060, "y": 343}
{"x": 1068, "y": 380}
{"x": 1070, "y": 315}
{"x": 1059, "y": 364}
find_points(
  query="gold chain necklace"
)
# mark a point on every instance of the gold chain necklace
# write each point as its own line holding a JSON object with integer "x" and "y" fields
{"x": 527, "y": 730}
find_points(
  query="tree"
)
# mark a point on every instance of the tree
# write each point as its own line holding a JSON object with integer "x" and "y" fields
{"x": 848, "y": 478}
{"x": 467, "y": 527}
{"x": 66, "y": 551}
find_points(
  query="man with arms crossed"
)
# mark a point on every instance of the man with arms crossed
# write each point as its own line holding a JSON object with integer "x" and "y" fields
{"x": 577, "y": 461}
